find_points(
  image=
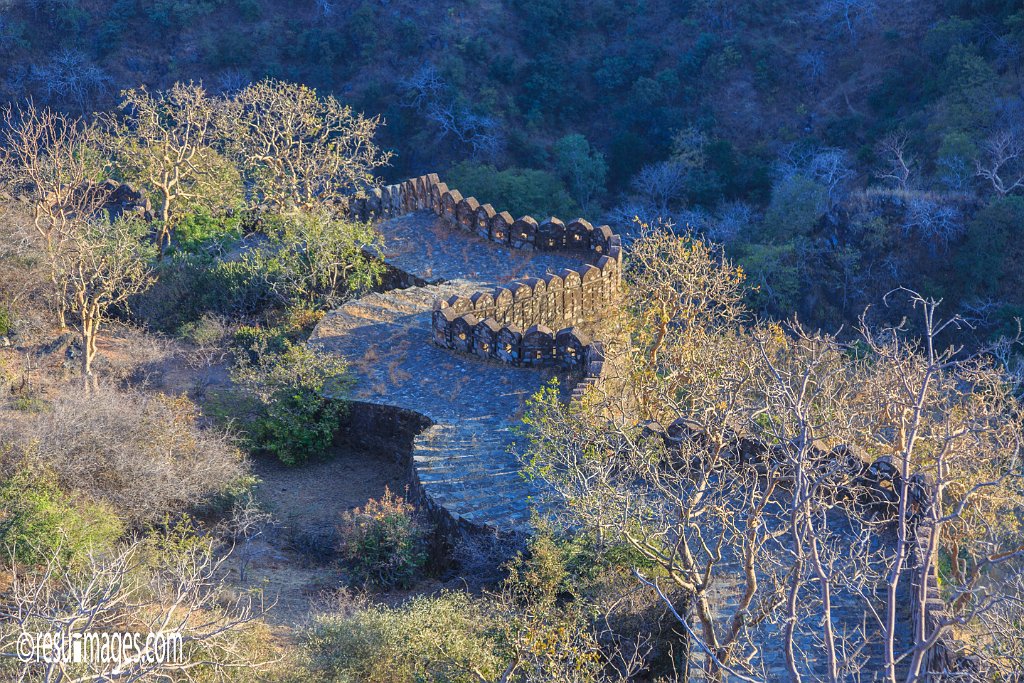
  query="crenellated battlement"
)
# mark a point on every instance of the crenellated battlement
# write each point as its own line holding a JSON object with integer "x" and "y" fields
{"x": 534, "y": 321}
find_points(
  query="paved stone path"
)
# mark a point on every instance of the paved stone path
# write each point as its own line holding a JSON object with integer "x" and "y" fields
{"x": 462, "y": 460}
{"x": 416, "y": 243}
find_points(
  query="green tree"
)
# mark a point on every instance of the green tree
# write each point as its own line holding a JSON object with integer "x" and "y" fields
{"x": 582, "y": 168}
{"x": 988, "y": 263}
{"x": 520, "y": 191}
{"x": 321, "y": 259}
{"x": 970, "y": 86}
{"x": 797, "y": 203}
{"x": 163, "y": 142}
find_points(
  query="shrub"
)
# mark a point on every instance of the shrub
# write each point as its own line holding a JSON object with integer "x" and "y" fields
{"x": 38, "y": 522}
{"x": 5, "y": 321}
{"x": 441, "y": 638}
{"x": 301, "y": 320}
{"x": 29, "y": 404}
{"x": 206, "y": 338}
{"x": 207, "y": 331}
{"x": 201, "y": 232}
{"x": 255, "y": 340}
{"x": 143, "y": 454}
{"x": 299, "y": 419}
{"x": 189, "y": 285}
{"x": 383, "y": 542}
{"x": 520, "y": 191}
{"x": 174, "y": 579}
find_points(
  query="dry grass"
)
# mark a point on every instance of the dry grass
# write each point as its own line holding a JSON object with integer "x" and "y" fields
{"x": 130, "y": 355}
{"x": 142, "y": 453}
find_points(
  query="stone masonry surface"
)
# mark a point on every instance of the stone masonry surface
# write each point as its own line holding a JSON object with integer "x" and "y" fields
{"x": 457, "y": 250}
{"x": 462, "y": 461}
{"x": 418, "y": 244}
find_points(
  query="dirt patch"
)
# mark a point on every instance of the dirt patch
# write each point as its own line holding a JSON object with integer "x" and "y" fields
{"x": 295, "y": 559}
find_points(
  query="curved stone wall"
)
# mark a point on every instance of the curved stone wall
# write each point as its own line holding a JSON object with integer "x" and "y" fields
{"x": 538, "y": 321}
{"x": 532, "y": 322}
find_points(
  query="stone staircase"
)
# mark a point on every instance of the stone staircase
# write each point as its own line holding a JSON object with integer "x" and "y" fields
{"x": 468, "y": 470}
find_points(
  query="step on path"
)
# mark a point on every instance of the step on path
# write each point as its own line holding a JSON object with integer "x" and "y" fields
{"x": 462, "y": 461}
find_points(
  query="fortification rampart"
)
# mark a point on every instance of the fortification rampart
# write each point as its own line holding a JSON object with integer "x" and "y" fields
{"x": 536, "y": 321}
{"x": 543, "y": 321}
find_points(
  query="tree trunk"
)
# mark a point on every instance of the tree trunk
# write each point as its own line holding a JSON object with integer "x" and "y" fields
{"x": 164, "y": 216}
{"x": 89, "y": 330}
{"x": 88, "y": 380}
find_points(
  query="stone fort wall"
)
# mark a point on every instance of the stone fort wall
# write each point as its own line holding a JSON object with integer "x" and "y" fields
{"x": 536, "y": 321}
{"x": 516, "y": 324}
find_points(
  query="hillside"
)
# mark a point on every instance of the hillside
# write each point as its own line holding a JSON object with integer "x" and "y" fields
{"x": 700, "y": 112}
{"x": 512, "y": 341}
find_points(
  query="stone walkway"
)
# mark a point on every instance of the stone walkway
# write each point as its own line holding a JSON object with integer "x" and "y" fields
{"x": 417, "y": 244}
{"x": 461, "y": 461}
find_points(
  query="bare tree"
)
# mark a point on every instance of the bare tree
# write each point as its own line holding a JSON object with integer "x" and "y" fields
{"x": 730, "y": 221}
{"x": 164, "y": 141}
{"x": 423, "y": 87}
{"x": 298, "y": 149}
{"x": 101, "y": 265}
{"x": 828, "y": 166}
{"x": 677, "y": 282}
{"x": 70, "y": 77}
{"x": 770, "y": 502}
{"x": 694, "y": 512}
{"x": 814, "y": 64}
{"x": 934, "y": 222}
{"x": 230, "y": 81}
{"x": 144, "y": 587}
{"x": 691, "y": 509}
{"x": 1004, "y": 649}
{"x": 952, "y": 427}
{"x": 427, "y": 92}
{"x": 848, "y": 15}
{"x": 326, "y": 7}
{"x": 482, "y": 133}
{"x": 246, "y": 523}
{"x": 831, "y": 167}
{"x": 1002, "y": 162}
{"x": 900, "y": 165}
{"x": 48, "y": 159}
{"x": 805, "y": 386}
{"x": 661, "y": 183}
